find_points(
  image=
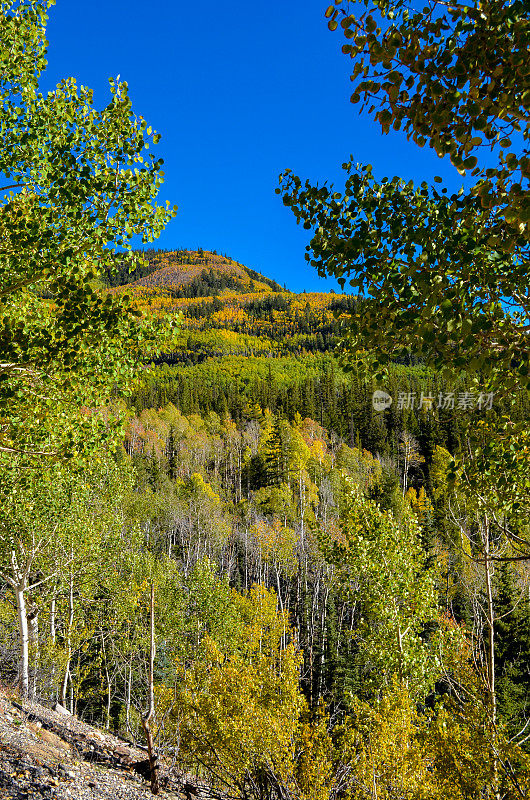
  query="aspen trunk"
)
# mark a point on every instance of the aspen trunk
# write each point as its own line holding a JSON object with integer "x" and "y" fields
{"x": 33, "y": 635}
{"x": 148, "y": 718}
{"x": 490, "y": 623}
{"x": 323, "y": 644}
{"x": 67, "y": 676}
{"x": 109, "y": 698}
{"x": 23, "y": 664}
{"x": 302, "y": 509}
{"x": 128, "y": 700}
{"x": 52, "y": 684}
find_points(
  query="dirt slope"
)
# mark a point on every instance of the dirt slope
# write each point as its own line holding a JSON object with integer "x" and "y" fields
{"x": 46, "y": 754}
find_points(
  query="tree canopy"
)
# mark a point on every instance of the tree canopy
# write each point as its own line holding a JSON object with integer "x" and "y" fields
{"x": 77, "y": 184}
{"x": 445, "y": 275}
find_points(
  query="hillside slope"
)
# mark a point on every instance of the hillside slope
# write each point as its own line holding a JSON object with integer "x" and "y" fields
{"x": 225, "y": 308}
{"x": 47, "y": 754}
{"x": 191, "y": 273}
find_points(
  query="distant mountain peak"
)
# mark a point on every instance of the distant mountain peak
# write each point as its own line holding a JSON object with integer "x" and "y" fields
{"x": 193, "y": 273}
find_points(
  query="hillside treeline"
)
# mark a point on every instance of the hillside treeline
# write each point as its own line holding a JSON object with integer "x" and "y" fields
{"x": 304, "y": 587}
{"x": 435, "y": 411}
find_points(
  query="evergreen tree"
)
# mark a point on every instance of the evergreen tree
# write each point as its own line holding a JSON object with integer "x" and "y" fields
{"x": 513, "y": 650}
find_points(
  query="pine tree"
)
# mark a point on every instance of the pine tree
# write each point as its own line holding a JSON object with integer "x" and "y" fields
{"x": 513, "y": 649}
{"x": 278, "y": 453}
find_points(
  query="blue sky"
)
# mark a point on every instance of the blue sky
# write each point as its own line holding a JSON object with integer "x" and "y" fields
{"x": 239, "y": 91}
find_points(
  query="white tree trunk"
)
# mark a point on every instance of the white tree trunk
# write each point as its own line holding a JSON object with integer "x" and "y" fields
{"x": 147, "y": 719}
{"x": 67, "y": 676}
{"x": 23, "y": 664}
{"x": 33, "y": 633}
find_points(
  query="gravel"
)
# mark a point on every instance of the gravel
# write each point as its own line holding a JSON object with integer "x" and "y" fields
{"x": 45, "y": 755}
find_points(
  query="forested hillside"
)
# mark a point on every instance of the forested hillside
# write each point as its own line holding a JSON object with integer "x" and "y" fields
{"x": 186, "y": 273}
{"x": 257, "y": 446}
{"x": 280, "y": 541}
{"x": 250, "y": 458}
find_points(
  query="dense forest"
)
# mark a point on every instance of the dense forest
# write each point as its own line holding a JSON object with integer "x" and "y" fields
{"x": 249, "y": 459}
{"x": 281, "y": 540}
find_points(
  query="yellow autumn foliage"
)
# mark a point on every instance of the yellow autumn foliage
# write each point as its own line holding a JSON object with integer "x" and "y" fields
{"x": 236, "y": 713}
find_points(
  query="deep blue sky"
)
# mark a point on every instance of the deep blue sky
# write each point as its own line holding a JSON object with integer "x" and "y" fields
{"x": 239, "y": 91}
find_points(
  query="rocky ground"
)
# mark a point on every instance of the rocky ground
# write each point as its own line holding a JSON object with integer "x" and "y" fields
{"x": 51, "y": 755}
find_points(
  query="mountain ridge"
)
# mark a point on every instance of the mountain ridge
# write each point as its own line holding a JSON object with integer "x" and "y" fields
{"x": 190, "y": 273}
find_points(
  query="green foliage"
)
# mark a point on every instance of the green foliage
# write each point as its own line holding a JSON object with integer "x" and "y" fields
{"x": 433, "y": 75}
{"x": 380, "y": 561}
{"x": 444, "y": 276}
{"x": 513, "y": 649}
{"x": 236, "y": 709}
{"x": 78, "y": 183}
{"x": 278, "y": 454}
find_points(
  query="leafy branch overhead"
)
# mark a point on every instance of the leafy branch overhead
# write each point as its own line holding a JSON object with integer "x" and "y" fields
{"x": 76, "y": 185}
{"x": 445, "y": 274}
{"x": 455, "y": 77}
